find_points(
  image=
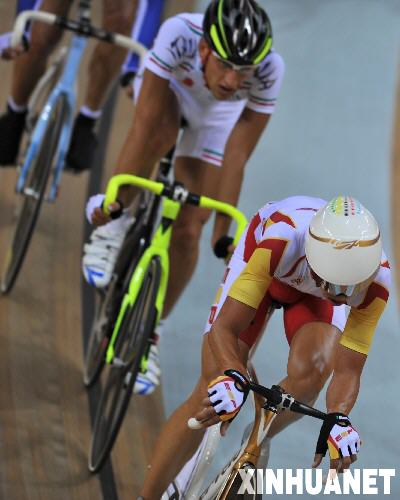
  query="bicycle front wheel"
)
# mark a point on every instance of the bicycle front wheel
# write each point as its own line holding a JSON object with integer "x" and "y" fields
{"x": 109, "y": 303}
{"x": 32, "y": 196}
{"x": 132, "y": 343}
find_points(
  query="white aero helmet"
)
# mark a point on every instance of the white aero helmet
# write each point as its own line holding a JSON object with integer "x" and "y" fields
{"x": 343, "y": 244}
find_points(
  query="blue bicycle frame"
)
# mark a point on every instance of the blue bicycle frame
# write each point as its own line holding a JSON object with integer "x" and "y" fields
{"x": 65, "y": 87}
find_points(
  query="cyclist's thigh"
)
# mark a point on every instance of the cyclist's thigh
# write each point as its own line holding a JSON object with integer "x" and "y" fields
{"x": 313, "y": 327}
{"x": 60, "y": 7}
{"x": 199, "y": 177}
{"x": 43, "y": 35}
{"x": 118, "y": 15}
{"x": 311, "y": 309}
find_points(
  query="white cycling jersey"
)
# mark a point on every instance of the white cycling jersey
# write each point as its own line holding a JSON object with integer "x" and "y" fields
{"x": 175, "y": 57}
{"x": 282, "y": 227}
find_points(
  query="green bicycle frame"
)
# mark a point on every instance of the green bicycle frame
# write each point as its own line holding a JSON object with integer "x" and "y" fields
{"x": 159, "y": 245}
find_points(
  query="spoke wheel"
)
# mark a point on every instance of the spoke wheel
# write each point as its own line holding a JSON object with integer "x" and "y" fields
{"x": 132, "y": 343}
{"x": 109, "y": 303}
{"x": 30, "y": 200}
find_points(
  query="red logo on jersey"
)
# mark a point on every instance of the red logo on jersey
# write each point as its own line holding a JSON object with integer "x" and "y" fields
{"x": 188, "y": 82}
{"x": 226, "y": 274}
{"x": 212, "y": 315}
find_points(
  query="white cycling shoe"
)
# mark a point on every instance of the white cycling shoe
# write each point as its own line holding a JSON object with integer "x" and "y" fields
{"x": 147, "y": 382}
{"x": 100, "y": 255}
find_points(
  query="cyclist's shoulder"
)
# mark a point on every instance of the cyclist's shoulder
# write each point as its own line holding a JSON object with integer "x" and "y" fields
{"x": 292, "y": 214}
{"x": 185, "y": 24}
{"x": 272, "y": 66}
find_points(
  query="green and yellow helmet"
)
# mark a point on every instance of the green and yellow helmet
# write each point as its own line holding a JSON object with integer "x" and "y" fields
{"x": 238, "y": 31}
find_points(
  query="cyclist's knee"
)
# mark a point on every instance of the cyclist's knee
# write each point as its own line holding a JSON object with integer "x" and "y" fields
{"x": 118, "y": 16}
{"x": 188, "y": 228}
{"x": 43, "y": 41}
{"x": 310, "y": 379}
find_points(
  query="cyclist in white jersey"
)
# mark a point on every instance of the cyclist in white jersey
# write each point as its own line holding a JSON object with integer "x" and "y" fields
{"x": 314, "y": 260}
{"x": 219, "y": 72}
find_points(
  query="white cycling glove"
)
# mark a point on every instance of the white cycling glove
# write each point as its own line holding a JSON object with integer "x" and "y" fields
{"x": 93, "y": 202}
{"x": 338, "y": 436}
{"x": 227, "y": 394}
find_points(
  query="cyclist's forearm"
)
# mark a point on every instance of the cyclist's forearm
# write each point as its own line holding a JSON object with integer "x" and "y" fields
{"x": 345, "y": 384}
{"x": 229, "y": 192}
{"x": 226, "y": 351}
{"x": 223, "y": 339}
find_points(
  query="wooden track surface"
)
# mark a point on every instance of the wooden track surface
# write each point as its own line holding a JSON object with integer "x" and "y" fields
{"x": 44, "y": 411}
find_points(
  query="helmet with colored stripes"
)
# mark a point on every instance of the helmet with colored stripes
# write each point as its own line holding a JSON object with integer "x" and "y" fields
{"x": 238, "y": 31}
{"x": 343, "y": 245}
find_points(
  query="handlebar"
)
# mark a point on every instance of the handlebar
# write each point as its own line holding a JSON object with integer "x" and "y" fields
{"x": 280, "y": 400}
{"x": 176, "y": 192}
{"x": 80, "y": 27}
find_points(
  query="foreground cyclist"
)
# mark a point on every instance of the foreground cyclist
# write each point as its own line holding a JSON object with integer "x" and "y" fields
{"x": 311, "y": 258}
{"x": 220, "y": 74}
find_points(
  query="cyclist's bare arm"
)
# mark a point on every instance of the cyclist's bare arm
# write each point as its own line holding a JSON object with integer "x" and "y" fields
{"x": 241, "y": 143}
{"x": 342, "y": 394}
{"x": 343, "y": 389}
{"x": 223, "y": 341}
{"x": 152, "y": 133}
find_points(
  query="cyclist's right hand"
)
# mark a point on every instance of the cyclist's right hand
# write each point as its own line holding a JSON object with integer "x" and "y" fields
{"x": 95, "y": 213}
{"x": 226, "y": 395}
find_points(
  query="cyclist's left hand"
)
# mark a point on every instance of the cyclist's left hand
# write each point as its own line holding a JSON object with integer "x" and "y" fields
{"x": 341, "y": 439}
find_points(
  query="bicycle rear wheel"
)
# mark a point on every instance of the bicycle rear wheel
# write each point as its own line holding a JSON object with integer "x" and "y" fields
{"x": 132, "y": 343}
{"x": 109, "y": 303}
{"x": 32, "y": 196}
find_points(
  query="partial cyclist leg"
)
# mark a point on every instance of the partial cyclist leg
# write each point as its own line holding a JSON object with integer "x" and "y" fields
{"x": 199, "y": 177}
{"x": 177, "y": 443}
{"x": 104, "y": 67}
{"x": 202, "y": 178}
{"x": 310, "y": 364}
{"x": 27, "y": 70}
{"x": 102, "y": 251}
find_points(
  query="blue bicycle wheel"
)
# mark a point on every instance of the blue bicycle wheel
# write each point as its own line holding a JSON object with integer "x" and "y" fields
{"x": 30, "y": 200}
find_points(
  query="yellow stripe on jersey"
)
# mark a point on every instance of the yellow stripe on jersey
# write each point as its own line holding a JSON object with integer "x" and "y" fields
{"x": 361, "y": 325}
{"x": 253, "y": 282}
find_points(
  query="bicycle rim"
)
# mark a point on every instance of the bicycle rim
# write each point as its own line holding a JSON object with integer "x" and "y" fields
{"x": 109, "y": 304}
{"x": 132, "y": 342}
{"x": 32, "y": 197}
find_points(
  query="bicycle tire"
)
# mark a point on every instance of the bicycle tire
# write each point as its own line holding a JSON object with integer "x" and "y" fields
{"x": 133, "y": 339}
{"x": 108, "y": 305}
{"x": 32, "y": 196}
